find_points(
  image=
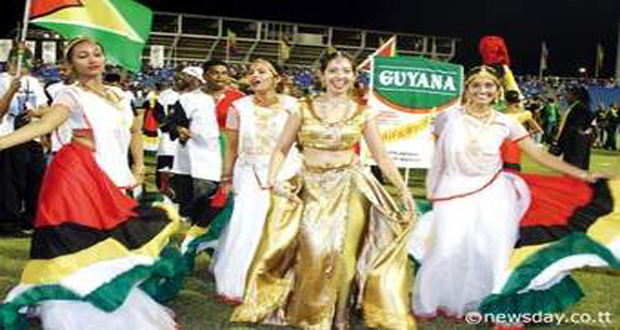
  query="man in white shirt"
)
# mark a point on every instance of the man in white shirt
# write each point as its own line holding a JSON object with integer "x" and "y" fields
{"x": 21, "y": 167}
{"x": 198, "y": 161}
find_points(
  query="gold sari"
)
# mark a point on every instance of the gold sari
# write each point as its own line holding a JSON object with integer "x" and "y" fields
{"x": 343, "y": 246}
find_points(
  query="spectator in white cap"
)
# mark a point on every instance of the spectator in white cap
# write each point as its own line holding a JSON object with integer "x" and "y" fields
{"x": 195, "y": 72}
{"x": 197, "y": 162}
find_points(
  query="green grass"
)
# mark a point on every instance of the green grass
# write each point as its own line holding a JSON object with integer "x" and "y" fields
{"x": 197, "y": 309}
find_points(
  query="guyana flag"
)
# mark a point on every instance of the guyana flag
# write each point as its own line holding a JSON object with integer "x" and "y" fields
{"x": 121, "y": 26}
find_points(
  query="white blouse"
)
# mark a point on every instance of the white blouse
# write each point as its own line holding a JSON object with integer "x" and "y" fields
{"x": 110, "y": 123}
{"x": 259, "y": 130}
{"x": 467, "y": 151}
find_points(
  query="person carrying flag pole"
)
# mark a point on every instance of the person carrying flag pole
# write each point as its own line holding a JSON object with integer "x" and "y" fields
{"x": 98, "y": 260}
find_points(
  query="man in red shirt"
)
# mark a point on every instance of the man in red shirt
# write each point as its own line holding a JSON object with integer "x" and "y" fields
{"x": 217, "y": 85}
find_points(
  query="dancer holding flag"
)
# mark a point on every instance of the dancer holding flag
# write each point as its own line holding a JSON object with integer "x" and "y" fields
{"x": 93, "y": 246}
{"x": 97, "y": 259}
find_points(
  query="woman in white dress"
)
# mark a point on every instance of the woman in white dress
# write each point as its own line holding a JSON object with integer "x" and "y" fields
{"x": 476, "y": 206}
{"x": 96, "y": 258}
{"x": 254, "y": 125}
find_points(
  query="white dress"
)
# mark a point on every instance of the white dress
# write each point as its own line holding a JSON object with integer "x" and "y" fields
{"x": 475, "y": 217}
{"x": 259, "y": 129}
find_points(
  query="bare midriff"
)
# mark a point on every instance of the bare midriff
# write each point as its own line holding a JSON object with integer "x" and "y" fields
{"x": 84, "y": 137}
{"x": 328, "y": 158}
{"x": 85, "y": 142}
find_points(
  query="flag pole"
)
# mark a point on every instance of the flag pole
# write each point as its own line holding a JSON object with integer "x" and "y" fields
{"x": 228, "y": 45}
{"x": 22, "y": 38}
{"x": 540, "y": 61}
{"x": 542, "y": 65}
{"x": 597, "y": 60}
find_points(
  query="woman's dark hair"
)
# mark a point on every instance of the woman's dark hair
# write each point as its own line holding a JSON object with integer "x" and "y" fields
{"x": 482, "y": 69}
{"x": 324, "y": 60}
{"x": 214, "y": 62}
{"x": 512, "y": 97}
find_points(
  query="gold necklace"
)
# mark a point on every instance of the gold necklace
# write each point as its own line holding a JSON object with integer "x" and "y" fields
{"x": 343, "y": 119}
{"x": 106, "y": 94}
{"x": 484, "y": 115}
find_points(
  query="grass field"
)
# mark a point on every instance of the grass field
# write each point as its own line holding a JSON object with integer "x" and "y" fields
{"x": 197, "y": 309}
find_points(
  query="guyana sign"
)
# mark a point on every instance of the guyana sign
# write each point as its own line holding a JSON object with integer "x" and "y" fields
{"x": 408, "y": 92}
{"x": 416, "y": 85}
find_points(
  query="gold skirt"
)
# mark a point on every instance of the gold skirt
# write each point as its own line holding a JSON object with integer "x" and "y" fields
{"x": 343, "y": 246}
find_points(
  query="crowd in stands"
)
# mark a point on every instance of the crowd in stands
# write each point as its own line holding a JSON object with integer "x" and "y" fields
{"x": 542, "y": 95}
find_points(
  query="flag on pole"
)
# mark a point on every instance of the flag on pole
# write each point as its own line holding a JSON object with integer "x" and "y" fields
{"x": 122, "y": 27}
{"x": 386, "y": 49}
{"x": 285, "y": 49}
{"x": 600, "y": 58}
{"x": 231, "y": 41}
{"x": 544, "y": 59}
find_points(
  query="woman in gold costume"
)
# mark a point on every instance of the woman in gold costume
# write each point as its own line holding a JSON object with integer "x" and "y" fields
{"x": 333, "y": 238}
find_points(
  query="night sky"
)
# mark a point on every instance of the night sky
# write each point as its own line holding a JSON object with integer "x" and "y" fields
{"x": 571, "y": 28}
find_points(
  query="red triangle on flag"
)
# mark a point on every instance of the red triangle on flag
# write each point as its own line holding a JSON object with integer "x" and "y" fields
{"x": 150, "y": 123}
{"x": 40, "y": 8}
{"x": 387, "y": 49}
